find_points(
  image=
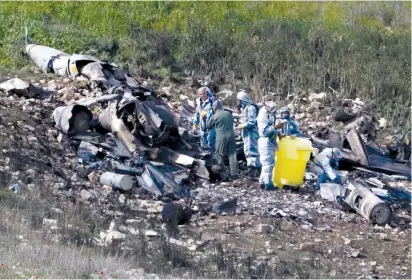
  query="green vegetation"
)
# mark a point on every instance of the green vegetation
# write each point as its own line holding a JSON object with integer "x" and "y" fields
{"x": 359, "y": 49}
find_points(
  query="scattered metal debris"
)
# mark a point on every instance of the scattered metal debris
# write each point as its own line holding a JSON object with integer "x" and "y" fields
{"x": 20, "y": 88}
{"x": 134, "y": 135}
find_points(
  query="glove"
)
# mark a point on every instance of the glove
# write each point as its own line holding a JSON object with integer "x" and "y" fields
{"x": 194, "y": 127}
{"x": 240, "y": 126}
{"x": 204, "y": 114}
{"x": 293, "y": 136}
{"x": 278, "y": 125}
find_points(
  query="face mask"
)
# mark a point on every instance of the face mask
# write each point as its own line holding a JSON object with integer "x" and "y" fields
{"x": 285, "y": 117}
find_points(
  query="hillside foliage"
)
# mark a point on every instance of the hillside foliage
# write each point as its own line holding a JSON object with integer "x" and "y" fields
{"x": 358, "y": 49}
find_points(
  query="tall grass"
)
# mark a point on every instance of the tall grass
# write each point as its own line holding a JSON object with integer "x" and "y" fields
{"x": 359, "y": 49}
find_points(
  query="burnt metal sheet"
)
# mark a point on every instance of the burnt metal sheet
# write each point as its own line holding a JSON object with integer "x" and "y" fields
{"x": 358, "y": 147}
{"x": 73, "y": 119}
{"x": 387, "y": 165}
{"x": 167, "y": 155}
{"x": 165, "y": 182}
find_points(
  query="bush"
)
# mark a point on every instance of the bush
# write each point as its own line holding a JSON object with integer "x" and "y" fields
{"x": 357, "y": 49}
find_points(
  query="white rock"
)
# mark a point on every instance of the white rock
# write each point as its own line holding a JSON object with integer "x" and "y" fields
{"x": 383, "y": 123}
{"x": 103, "y": 235}
{"x": 347, "y": 241}
{"x": 112, "y": 226}
{"x": 123, "y": 229}
{"x": 183, "y": 97}
{"x": 167, "y": 90}
{"x": 133, "y": 230}
{"x": 307, "y": 246}
{"x": 303, "y": 213}
{"x": 122, "y": 199}
{"x": 49, "y": 222}
{"x": 317, "y": 96}
{"x": 383, "y": 236}
{"x": 377, "y": 228}
{"x": 264, "y": 228}
{"x": 85, "y": 195}
{"x": 114, "y": 236}
{"x": 54, "y": 228}
{"x": 151, "y": 233}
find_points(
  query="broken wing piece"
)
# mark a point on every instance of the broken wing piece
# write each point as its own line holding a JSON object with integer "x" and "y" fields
{"x": 167, "y": 185}
{"x": 159, "y": 183}
{"x": 73, "y": 119}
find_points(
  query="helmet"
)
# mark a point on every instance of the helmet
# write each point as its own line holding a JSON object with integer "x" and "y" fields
{"x": 244, "y": 97}
{"x": 285, "y": 110}
{"x": 336, "y": 153}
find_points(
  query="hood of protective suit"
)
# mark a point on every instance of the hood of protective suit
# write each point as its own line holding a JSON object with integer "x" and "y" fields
{"x": 283, "y": 111}
{"x": 244, "y": 97}
{"x": 271, "y": 107}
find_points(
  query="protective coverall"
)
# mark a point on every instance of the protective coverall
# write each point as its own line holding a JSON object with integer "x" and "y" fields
{"x": 250, "y": 134}
{"x": 222, "y": 123}
{"x": 267, "y": 143}
{"x": 326, "y": 164}
{"x": 290, "y": 127}
{"x": 204, "y": 112}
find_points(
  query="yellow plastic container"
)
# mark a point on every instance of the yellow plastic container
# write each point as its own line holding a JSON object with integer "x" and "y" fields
{"x": 291, "y": 160}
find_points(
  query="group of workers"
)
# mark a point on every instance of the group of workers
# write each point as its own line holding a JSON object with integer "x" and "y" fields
{"x": 259, "y": 130}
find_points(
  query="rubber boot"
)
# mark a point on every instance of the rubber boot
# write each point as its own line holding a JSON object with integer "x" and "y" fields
{"x": 270, "y": 187}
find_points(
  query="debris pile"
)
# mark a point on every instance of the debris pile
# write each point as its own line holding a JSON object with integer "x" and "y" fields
{"x": 123, "y": 126}
{"x": 116, "y": 133}
{"x": 132, "y": 136}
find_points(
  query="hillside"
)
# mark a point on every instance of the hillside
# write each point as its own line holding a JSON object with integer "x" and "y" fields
{"x": 354, "y": 49}
{"x": 60, "y": 221}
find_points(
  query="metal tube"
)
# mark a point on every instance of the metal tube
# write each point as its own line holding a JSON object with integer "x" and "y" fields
{"x": 118, "y": 181}
{"x": 368, "y": 205}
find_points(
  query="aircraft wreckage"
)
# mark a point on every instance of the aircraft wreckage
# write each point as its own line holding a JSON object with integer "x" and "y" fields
{"x": 134, "y": 136}
{"x": 128, "y": 121}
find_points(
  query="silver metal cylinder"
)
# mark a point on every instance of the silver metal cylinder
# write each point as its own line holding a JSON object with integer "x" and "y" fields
{"x": 368, "y": 205}
{"x": 118, "y": 181}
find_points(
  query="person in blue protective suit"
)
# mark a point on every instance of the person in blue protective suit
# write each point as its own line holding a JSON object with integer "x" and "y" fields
{"x": 204, "y": 111}
{"x": 290, "y": 128}
{"x": 326, "y": 165}
{"x": 249, "y": 132}
{"x": 267, "y": 143}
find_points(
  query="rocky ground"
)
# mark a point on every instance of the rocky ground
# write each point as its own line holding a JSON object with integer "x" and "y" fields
{"x": 282, "y": 234}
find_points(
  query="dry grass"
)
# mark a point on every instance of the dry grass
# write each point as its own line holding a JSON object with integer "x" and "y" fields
{"x": 31, "y": 250}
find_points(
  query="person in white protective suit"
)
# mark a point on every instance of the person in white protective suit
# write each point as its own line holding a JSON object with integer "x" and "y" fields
{"x": 326, "y": 164}
{"x": 267, "y": 143}
{"x": 250, "y": 133}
